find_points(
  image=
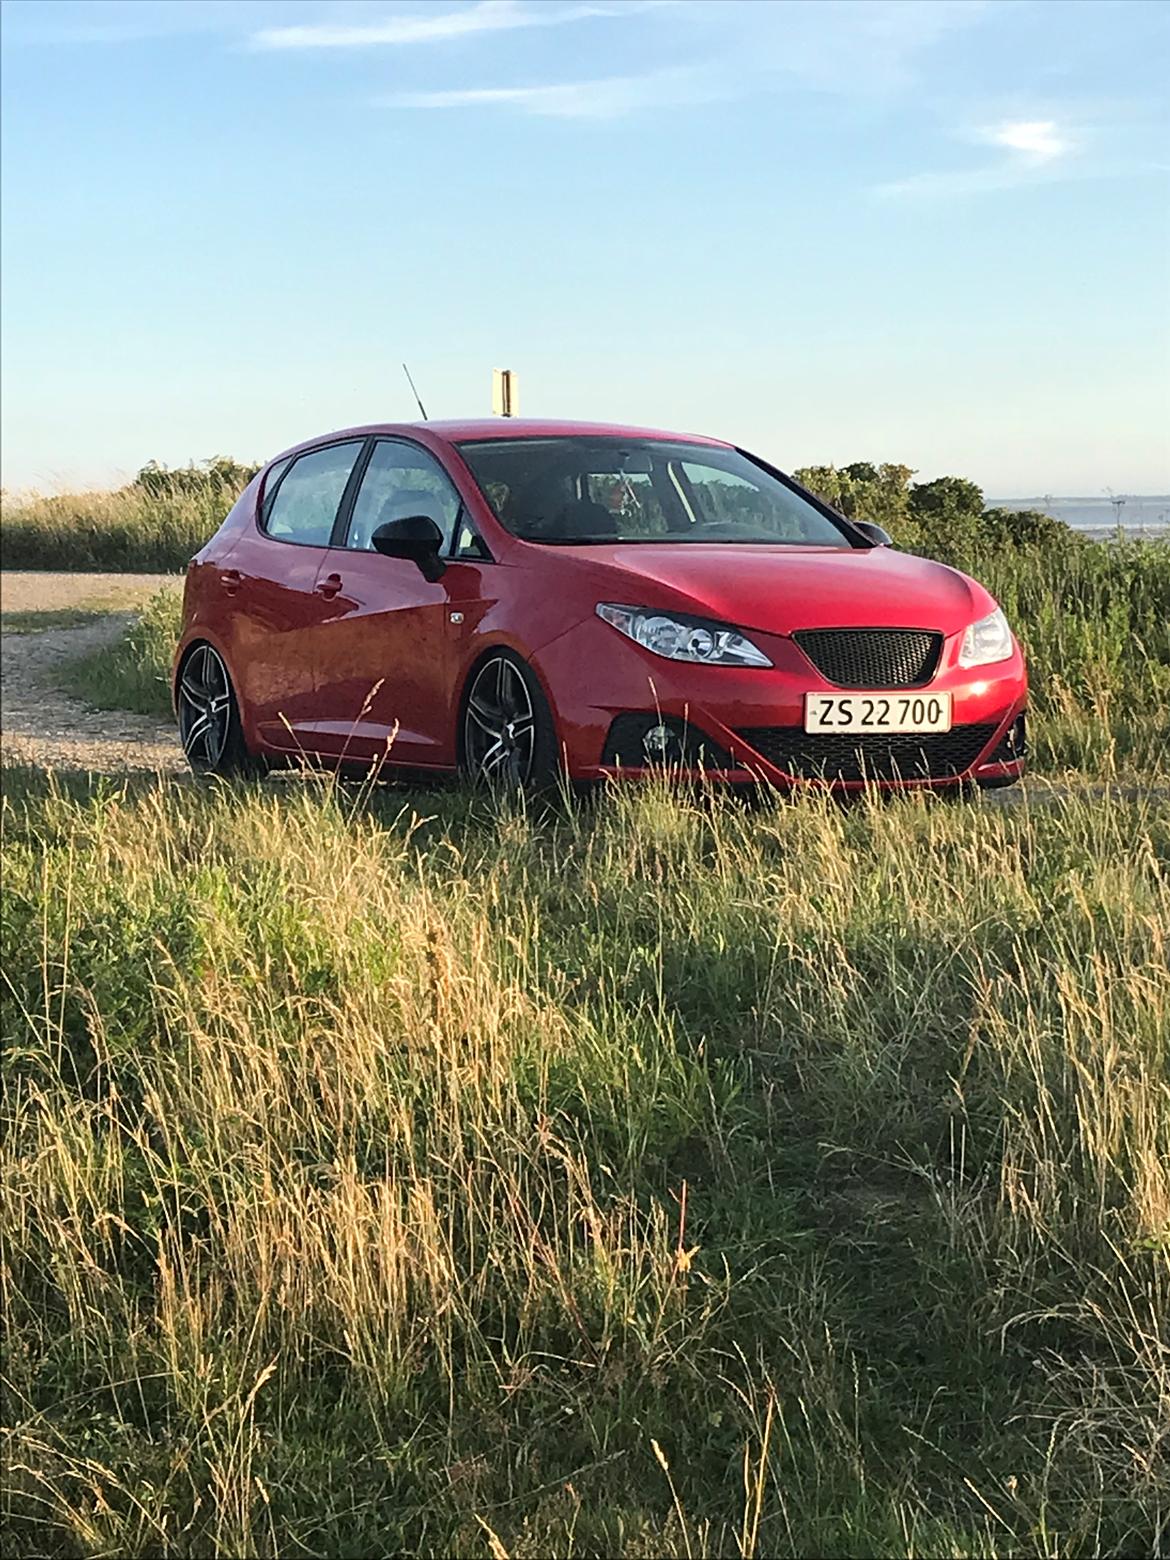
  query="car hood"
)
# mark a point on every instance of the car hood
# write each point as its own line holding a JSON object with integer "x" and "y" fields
{"x": 780, "y": 589}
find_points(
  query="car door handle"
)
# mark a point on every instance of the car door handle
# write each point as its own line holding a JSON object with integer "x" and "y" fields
{"x": 330, "y": 585}
{"x": 231, "y": 580}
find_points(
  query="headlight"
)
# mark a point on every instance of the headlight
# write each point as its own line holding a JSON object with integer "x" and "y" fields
{"x": 988, "y": 640}
{"x": 682, "y": 638}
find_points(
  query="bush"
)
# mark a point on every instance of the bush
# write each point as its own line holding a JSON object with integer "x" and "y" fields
{"x": 220, "y": 478}
{"x": 1027, "y": 528}
{"x": 943, "y": 519}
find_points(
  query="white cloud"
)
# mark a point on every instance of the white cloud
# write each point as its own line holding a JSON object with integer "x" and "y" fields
{"x": 429, "y": 26}
{"x": 608, "y": 97}
{"x": 1031, "y": 148}
{"x": 1039, "y": 140}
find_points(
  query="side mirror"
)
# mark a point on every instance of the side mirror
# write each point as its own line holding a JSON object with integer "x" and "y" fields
{"x": 873, "y": 533}
{"x": 416, "y": 537}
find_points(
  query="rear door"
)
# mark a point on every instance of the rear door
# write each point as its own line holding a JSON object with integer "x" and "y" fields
{"x": 278, "y": 606}
{"x": 385, "y": 656}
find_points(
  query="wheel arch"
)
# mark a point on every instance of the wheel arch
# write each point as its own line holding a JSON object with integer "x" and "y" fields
{"x": 183, "y": 652}
{"x": 482, "y": 657}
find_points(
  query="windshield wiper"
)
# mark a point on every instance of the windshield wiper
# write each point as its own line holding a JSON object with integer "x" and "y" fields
{"x": 562, "y": 541}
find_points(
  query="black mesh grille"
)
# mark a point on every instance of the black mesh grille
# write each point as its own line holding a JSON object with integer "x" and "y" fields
{"x": 832, "y": 755}
{"x": 872, "y": 657}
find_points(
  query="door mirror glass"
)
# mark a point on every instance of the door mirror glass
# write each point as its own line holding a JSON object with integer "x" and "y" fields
{"x": 874, "y": 533}
{"x": 413, "y": 536}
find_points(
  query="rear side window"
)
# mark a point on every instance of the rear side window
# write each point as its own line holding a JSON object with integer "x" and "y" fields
{"x": 310, "y": 492}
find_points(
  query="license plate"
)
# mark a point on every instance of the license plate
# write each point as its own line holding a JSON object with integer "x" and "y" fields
{"x": 877, "y": 712}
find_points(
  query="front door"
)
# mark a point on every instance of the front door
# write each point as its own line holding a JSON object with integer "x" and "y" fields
{"x": 384, "y": 661}
{"x": 271, "y": 579}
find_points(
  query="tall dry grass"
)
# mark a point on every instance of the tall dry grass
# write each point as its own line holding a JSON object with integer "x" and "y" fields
{"x": 391, "y": 1176}
{"x": 130, "y": 529}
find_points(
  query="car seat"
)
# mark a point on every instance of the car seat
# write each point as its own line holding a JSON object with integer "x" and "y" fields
{"x": 541, "y": 509}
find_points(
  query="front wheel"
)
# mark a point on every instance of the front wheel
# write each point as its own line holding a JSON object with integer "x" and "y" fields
{"x": 209, "y": 716}
{"x": 508, "y": 733}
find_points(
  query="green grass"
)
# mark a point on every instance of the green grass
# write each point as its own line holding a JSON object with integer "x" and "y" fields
{"x": 1095, "y": 622}
{"x": 1094, "y": 616}
{"x": 38, "y": 622}
{"x": 134, "y": 672}
{"x": 405, "y": 1174}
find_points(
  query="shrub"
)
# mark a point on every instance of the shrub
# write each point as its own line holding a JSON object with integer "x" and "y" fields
{"x": 1027, "y": 528}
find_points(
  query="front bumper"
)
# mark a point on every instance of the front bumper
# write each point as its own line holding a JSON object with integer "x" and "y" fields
{"x": 753, "y": 717}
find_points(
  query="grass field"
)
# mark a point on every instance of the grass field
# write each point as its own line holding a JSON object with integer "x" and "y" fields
{"x": 399, "y": 1174}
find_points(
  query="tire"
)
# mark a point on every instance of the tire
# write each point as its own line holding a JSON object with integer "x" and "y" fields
{"x": 209, "y": 716}
{"x": 507, "y": 737}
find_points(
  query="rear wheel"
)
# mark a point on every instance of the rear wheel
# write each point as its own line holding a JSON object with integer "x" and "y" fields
{"x": 508, "y": 734}
{"x": 209, "y": 716}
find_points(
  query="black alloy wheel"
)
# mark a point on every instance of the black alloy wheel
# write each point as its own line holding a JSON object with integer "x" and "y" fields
{"x": 209, "y": 718}
{"x": 508, "y": 734}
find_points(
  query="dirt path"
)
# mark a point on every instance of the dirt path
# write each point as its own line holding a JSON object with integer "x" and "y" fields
{"x": 35, "y": 590}
{"x": 42, "y": 724}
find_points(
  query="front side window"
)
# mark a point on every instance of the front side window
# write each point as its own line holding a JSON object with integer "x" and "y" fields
{"x": 307, "y": 500}
{"x": 579, "y": 490}
{"x": 402, "y": 480}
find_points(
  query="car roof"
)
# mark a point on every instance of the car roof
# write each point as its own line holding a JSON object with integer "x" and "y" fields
{"x": 460, "y": 430}
{"x": 547, "y": 428}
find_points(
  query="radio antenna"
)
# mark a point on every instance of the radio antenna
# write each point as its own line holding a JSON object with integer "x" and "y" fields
{"x": 415, "y": 393}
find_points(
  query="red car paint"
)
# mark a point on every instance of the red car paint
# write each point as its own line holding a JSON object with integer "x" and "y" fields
{"x": 348, "y": 655}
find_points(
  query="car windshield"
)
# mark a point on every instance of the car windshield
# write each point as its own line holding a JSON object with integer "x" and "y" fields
{"x": 577, "y": 490}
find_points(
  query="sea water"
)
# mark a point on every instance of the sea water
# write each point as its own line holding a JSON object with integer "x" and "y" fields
{"x": 1139, "y": 513}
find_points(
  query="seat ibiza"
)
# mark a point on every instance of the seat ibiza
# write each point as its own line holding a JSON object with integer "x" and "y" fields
{"x": 518, "y": 599}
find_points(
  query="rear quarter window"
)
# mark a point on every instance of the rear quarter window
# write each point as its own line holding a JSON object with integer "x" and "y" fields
{"x": 271, "y": 483}
{"x": 304, "y": 505}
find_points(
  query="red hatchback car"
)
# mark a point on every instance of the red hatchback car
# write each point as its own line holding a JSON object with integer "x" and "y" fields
{"x": 519, "y": 599}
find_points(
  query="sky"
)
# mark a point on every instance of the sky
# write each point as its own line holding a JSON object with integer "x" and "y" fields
{"x": 935, "y": 232}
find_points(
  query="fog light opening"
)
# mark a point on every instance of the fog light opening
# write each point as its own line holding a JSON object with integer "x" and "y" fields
{"x": 661, "y": 745}
{"x": 655, "y": 741}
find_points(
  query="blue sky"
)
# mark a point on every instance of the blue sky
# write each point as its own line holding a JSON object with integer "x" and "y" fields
{"x": 935, "y": 232}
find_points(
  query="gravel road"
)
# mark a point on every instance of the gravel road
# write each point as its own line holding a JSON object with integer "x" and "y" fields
{"x": 42, "y": 724}
{"x": 34, "y": 590}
